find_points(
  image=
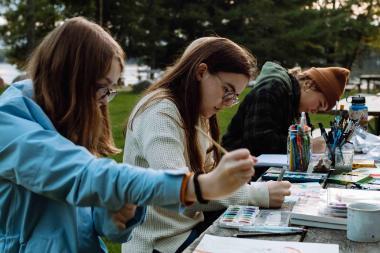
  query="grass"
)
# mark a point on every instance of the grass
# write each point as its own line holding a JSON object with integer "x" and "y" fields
{"x": 120, "y": 108}
{"x": 122, "y": 105}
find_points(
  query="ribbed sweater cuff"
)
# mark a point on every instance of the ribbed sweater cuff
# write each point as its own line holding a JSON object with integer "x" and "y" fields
{"x": 259, "y": 194}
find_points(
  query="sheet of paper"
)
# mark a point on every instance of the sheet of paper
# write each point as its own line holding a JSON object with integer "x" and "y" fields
{"x": 216, "y": 244}
{"x": 272, "y": 160}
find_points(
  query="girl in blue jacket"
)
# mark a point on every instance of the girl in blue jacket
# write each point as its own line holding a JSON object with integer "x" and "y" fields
{"x": 56, "y": 193}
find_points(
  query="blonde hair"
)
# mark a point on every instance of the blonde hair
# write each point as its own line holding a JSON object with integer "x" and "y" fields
{"x": 65, "y": 68}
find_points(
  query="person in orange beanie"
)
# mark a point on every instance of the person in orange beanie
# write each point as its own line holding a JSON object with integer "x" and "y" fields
{"x": 275, "y": 102}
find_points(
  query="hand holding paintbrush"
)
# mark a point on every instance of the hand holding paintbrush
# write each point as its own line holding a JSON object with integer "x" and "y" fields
{"x": 277, "y": 190}
{"x": 233, "y": 171}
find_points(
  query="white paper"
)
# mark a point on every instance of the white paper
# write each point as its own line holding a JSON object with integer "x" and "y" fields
{"x": 217, "y": 244}
{"x": 272, "y": 160}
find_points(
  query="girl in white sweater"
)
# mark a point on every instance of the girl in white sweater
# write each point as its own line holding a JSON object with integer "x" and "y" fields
{"x": 162, "y": 133}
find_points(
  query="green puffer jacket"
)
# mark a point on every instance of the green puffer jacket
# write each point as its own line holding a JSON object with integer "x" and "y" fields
{"x": 263, "y": 118}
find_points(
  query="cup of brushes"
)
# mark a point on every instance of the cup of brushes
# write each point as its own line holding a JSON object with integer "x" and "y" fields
{"x": 338, "y": 146}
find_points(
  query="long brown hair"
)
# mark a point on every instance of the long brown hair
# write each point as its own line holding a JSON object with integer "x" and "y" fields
{"x": 65, "y": 68}
{"x": 180, "y": 85}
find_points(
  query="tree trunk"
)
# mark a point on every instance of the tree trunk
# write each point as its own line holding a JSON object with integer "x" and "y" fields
{"x": 30, "y": 23}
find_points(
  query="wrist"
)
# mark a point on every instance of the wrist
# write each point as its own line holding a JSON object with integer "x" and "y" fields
{"x": 200, "y": 190}
{"x": 206, "y": 185}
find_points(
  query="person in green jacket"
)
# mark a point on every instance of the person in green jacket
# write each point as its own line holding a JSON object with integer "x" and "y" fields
{"x": 275, "y": 102}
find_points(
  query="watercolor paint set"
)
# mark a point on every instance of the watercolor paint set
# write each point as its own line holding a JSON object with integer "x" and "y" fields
{"x": 237, "y": 216}
{"x": 294, "y": 177}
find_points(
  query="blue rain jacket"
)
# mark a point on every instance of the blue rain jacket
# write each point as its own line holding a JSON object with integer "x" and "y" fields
{"x": 56, "y": 196}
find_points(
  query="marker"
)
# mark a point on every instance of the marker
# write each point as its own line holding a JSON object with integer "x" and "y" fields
{"x": 272, "y": 229}
{"x": 281, "y": 175}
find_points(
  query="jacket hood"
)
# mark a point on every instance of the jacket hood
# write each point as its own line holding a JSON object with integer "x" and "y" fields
{"x": 273, "y": 70}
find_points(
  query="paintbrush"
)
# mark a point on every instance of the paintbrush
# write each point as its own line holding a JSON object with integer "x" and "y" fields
{"x": 217, "y": 145}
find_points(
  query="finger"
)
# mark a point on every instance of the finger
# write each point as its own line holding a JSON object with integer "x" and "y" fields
{"x": 244, "y": 177}
{"x": 118, "y": 217}
{"x": 128, "y": 207}
{"x": 253, "y": 170}
{"x": 128, "y": 210}
{"x": 238, "y": 154}
{"x": 241, "y": 165}
{"x": 120, "y": 225}
{"x": 286, "y": 184}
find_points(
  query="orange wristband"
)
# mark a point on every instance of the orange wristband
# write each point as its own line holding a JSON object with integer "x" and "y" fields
{"x": 184, "y": 185}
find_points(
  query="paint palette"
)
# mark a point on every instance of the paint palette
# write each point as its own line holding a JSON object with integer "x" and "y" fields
{"x": 237, "y": 216}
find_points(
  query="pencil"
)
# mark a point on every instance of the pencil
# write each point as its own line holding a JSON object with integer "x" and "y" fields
{"x": 281, "y": 175}
{"x": 217, "y": 145}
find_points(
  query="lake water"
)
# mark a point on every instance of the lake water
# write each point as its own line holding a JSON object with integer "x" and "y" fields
{"x": 8, "y": 72}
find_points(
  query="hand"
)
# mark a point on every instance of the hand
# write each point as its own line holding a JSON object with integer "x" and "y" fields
{"x": 122, "y": 216}
{"x": 277, "y": 192}
{"x": 234, "y": 170}
{"x": 318, "y": 145}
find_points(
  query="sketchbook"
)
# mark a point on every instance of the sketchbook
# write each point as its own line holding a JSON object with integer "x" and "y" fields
{"x": 217, "y": 244}
{"x": 328, "y": 208}
{"x": 276, "y": 160}
{"x": 318, "y": 224}
{"x": 307, "y": 211}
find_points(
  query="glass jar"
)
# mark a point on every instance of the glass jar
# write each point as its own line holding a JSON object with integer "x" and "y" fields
{"x": 344, "y": 157}
{"x": 299, "y": 151}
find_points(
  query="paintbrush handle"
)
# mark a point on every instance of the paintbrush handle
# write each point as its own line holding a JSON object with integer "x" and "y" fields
{"x": 217, "y": 145}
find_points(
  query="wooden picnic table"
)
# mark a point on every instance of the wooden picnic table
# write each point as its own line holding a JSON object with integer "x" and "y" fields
{"x": 372, "y": 101}
{"x": 368, "y": 79}
{"x": 315, "y": 235}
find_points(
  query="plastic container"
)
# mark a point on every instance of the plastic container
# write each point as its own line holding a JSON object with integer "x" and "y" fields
{"x": 299, "y": 151}
{"x": 358, "y": 111}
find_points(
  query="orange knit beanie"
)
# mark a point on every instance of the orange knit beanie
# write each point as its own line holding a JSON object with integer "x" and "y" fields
{"x": 330, "y": 81}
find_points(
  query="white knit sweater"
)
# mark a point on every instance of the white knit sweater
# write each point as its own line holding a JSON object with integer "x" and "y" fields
{"x": 157, "y": 141}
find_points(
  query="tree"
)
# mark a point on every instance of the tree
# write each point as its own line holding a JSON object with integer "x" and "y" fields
{"x": 27, "y": 22}
{"x": 298, "y": 32}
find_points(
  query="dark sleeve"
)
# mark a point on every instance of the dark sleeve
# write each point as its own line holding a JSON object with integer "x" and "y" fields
{"x": 233, "y": 139}
{"x": 265, "y": 128}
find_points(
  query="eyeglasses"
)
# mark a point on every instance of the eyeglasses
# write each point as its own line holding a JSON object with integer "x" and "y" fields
{"x": 229, "y": 98}
{"x": 107, "y": 93}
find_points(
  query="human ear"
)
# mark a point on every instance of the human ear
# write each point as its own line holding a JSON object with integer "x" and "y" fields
{"x": 201, "y": 71}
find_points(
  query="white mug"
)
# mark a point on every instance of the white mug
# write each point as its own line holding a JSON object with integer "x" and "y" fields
{"x": 363, "y": 221}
